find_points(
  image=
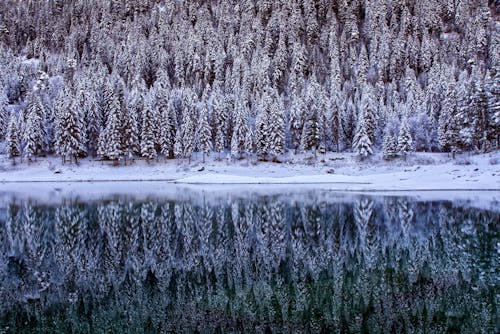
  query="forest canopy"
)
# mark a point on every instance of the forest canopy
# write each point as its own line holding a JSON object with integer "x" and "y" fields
{"x": 156, "y": 78}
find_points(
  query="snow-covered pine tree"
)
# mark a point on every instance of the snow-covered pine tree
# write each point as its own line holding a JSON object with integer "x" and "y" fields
{"x": 92, "y": 121}
{"x": 219, "y": 119}
{"x": 448, "y": 127}
{"x": 474, "y": 117}
{"x": 295, "y": 122}
{"x": 4, "y": 115}
{"x": 148, "y": 150}
{"x": 335, "y": 119}
{"x": 368, "y": 106}
{"x": 310, "y": 134}
{"x": 185, "y": 136}
{"x": 362, "y": 144}
{"x": 390, "y": 146}
{"x": 110, "y": 139}
{"x": 33, "y": 133}
{"x": 240, "y": 130}
{"x": 313, "y": 129}
{"x": 493, "y": 89}
{"x": 13, "y": 141}
{"x": 276, "y": 127}
{"x": 130, "y": 134}
{"x": 405, "y": 140}
{"x": 70, "y": 137}
{"x": 188, "y": 135}
{"x": 204, "y": 132}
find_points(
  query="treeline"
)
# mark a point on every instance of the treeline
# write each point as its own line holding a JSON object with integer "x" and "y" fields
{"x": 152, "y": 78}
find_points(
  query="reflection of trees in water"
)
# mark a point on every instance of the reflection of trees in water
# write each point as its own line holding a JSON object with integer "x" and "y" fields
{"x": 388, "y": 264}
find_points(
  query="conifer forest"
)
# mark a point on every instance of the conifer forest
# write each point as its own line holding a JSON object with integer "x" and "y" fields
{"x": 164, "y": 79}
{"x": 249, "y": 166}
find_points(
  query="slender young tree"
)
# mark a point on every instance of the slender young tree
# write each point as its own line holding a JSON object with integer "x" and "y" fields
{"x": 33, "y": 132}
{"x": 362, "y": 143}
{"x": 390, "y": 146}
{"x": 13, "y": 142}
{"x": 204, "y": 132}
{"x": 240, "y": 130}
{"x": 148, "y": 150}
{"x": 276, "y": 128}
{"x": 405, "y": 140}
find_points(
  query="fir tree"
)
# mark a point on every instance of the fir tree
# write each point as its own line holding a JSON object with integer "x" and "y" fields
{"x": 110, "y": 143}
{"x": 148, "y": 150}
{"x": 390, "y": 146}
{"x": 204, "y": 132}
{"x": 13, "y": 139}
{"x": 240, "y": 130}
{"x": 33, "y": 133}
{"x": 4, "y": 115}
{"x": 69, "y": 129}
{"x": 188, "y": 136}
{"x": 362, "y": 144}
{"x": 405, "y": 140}
{"x": 276, "y": 128}
{"x": 130, "y": 134}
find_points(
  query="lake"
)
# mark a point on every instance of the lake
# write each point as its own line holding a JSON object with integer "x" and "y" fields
{"x": 282, "y": 262}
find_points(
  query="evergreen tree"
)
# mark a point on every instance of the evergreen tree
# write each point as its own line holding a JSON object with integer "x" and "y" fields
{"x": 295, "y": 123}
{"x": 13, "y": 142}
{"x": 188, "y": 136}
{"x": 110, "y": 142}
{"x": 473, "y": 117}
{"x": 276, "y": 128}
{"x": 494, "y": 108}
{"x": 148, "y": 150}
{"x": 240, "y": 130}
{"x": 405, "y": 140}
{"x": 362, "y": 144}
{"x": 92, "y": 121}
{"x": 130, "y": 134}
{"x": 33, "y": 133}
{"x": 312, "y": 130}
{"x": 390, "y": 146}
{"x": 168, "y": 130}
{"x": 70, "y": 141}
{"x": 4, "y": 115}
{"x": 448, "y": 130}
{"x": 368, "y": 109}
{"x": 204, "y": 132}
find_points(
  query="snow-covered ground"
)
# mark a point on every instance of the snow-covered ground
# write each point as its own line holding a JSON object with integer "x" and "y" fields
{"x": 421, "y": 171}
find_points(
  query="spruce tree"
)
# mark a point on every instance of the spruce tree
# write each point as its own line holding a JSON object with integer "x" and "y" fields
{"x": 4, "y": 115}
{"x": 362, "y": 144}
{"x": 69, "y": 129}
{"x": 188, "y": 136}
{"x": 405, "y": 140}
{"x": 148, "y": 150}
{"x": 240, "y": 130}
{"x": 276, "y": 128}
{"x": 13, "y": 142}
{"x": 204, "y": 132}
{"x": 33, "y": 134}
{"x": 390, "y": 146}
{"x": 110, "y": 140}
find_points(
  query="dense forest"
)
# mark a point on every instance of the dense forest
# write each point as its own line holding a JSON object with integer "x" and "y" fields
{"x": 157, "y": 79}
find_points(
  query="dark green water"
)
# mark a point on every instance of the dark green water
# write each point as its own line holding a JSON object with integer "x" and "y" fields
{"x": 273, "y": 264}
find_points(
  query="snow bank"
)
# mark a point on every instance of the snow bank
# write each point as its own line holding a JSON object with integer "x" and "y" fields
{"x": 333, "y": 171}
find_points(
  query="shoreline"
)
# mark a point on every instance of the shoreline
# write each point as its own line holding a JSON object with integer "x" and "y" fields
{"x": 342, "y": 172}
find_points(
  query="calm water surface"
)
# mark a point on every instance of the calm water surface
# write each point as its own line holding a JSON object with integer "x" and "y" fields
{"x": 312, "y": 262}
